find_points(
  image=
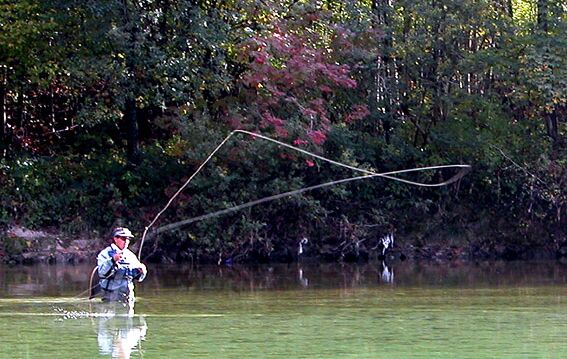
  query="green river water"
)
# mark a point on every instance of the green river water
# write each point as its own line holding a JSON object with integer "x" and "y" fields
{"x": 404, "y": 310}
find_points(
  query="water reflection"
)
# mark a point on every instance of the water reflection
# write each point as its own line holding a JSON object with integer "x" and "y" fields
{"x": 48, "y": 280}
{"x": 71, "y": 281}
{"x": 387, "y": 273}
{"x": 304, "y": 281}
{"x": 120, "y": 336}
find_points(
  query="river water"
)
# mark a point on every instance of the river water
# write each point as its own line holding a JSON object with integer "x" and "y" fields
{"x": 400, "y": 310}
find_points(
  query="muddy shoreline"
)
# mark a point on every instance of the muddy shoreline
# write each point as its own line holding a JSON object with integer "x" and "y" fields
{"x": 22, "y": 246}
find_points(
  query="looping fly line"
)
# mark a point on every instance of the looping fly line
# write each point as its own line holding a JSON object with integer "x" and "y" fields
{"x": 464, "y": 169}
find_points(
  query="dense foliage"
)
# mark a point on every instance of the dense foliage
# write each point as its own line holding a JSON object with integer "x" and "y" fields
{"x": 108, "y": 107}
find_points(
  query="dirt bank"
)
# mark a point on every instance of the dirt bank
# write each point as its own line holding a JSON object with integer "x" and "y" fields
{"x": 23, "y": 246}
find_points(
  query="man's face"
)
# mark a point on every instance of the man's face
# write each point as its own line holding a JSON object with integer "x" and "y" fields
{"x": 122, "y": 242}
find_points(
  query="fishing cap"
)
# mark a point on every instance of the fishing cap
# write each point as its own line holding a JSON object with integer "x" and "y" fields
{"x": 122, "y": 232}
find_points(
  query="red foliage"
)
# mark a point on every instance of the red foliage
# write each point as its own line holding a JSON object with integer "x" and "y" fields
{"x": 318, "y": 137}
{"x": 273, "y": 120}
{"x": 292, "y": 77}
{"x": 235, "y": 122}
{"x": 359, "y": 112}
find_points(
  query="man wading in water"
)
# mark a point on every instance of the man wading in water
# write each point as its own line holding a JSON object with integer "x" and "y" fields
{"x": 118, "y": 267}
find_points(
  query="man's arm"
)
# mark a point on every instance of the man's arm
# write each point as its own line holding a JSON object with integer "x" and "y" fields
{"x": 106, "y": 264}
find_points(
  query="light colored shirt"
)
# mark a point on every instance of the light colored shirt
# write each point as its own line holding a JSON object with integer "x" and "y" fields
{"x": 119, "y": 276}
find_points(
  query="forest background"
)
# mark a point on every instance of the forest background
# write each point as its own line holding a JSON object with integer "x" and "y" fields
{"x": 107, "y": 107}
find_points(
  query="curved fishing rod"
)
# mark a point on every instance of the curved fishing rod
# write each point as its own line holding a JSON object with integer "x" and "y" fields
{"x": 367, "y": 174}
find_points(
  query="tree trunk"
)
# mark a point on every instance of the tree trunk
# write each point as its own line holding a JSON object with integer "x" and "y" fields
{"x": 164, "y": 29}
{"x": 132, "y": 135}
{"x": 436, "y": 112}
{"x": 551, "y": 118}
{"x": 542, "y": 15}
{"x": 551, "y": 125}
{"x": 383, "y": 73}
{"x": 131, "y": 107}
{"x": 3, "y": 114}
{"x": 510, "y": 9}
{"x": 20, "y": 107}
{"x": 504, "y": 6}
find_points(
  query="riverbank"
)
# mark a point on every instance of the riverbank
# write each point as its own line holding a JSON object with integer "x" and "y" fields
{"x": 24, "y": 246}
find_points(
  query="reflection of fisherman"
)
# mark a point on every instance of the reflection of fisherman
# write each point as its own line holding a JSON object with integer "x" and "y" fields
{"x": 119, "y": 336}
{"x": 118, "y": 267}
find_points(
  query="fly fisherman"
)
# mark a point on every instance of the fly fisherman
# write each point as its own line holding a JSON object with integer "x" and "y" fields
{"x": 118, "y": 267}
